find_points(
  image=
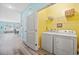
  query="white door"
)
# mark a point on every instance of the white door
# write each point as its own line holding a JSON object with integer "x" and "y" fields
{"x": 63, "y": 45}
{"x": 32, "y": 40}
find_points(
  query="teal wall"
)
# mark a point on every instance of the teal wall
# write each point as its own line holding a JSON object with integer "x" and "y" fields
{"x": 4, "y": 24}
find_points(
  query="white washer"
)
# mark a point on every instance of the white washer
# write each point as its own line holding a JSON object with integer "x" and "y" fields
{"x": 47, "y": 42}
{"x": 60, "y": 43}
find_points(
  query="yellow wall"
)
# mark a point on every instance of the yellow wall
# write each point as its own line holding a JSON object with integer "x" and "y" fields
{"x": 57, "y": 11}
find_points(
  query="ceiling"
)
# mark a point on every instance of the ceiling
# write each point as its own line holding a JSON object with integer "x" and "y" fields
{"x": 18, "y": 7}
{"x": 11, "y": 11}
